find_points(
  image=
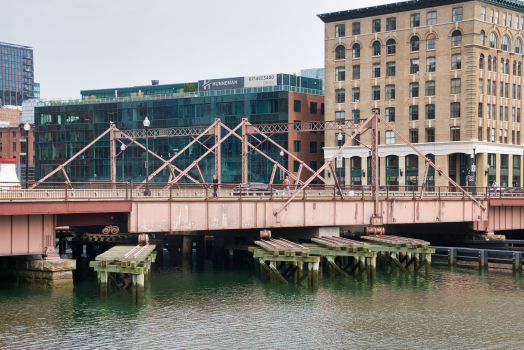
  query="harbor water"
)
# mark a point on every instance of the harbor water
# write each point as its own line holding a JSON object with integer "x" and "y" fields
{"x": 214, "y": 306}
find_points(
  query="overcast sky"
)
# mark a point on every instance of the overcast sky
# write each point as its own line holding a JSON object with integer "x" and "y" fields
{"x": 92, "y": 44}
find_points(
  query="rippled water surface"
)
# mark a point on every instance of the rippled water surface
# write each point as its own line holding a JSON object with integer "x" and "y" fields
{"x": 214, "y": 307}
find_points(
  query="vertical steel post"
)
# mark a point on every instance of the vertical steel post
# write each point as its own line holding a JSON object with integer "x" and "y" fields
{"x": 245, "y": 177}
{"x": 112, "y": 152}
{"x": 374, "y": 160}
{"x": 27, "y": 159}
{"x": 123, "y": 158}
{"x": 218, "y": 152}
{"x": 147, "y": 192}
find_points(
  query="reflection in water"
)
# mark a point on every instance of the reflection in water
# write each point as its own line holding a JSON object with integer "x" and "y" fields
{"x": 212, "y": 306}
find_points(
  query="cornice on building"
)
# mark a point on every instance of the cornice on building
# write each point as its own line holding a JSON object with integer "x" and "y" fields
{"x": 410, "y": 6}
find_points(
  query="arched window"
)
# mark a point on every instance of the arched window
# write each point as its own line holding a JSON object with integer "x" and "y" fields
{"x": 356, "y": 51}
{"x": 514, "y": 67}
{"x": 493, "y": 41}
{"x": 482, "y": 37}
{"x": 505, "y": 43}
{"x": 376, "y": 48}
{"x": 489, "y": 62}
{"x": 415, "y": 41}
{"x": 391, "y": 47}
{"x": 494, "y": 63}
{"x": 518, "y": 46}
{"x": 481, "y": 61}
{"x": 519, "y": 69}
{"x": 340, "y": 52}
{"x": 431, "y": 42}
{"x": 456, "y": 38}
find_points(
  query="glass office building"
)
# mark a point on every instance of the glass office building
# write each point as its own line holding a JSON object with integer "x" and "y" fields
{"x": 63, "y": 129}
{"x": 16, "y": 74}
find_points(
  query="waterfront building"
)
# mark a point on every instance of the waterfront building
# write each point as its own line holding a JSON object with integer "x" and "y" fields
{"x": 314, "y": 73}
{"x": 447, "y": 75}
{"x": 14, "y": 142}
{"x": 65, "y": 127}
{"x": 16, "y": 74}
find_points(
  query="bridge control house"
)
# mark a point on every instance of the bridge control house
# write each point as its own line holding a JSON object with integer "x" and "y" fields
{"x": 63, "y": 128}
{"x": 446, "y": 74}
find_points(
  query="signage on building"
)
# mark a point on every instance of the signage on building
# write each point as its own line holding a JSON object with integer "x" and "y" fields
{"x": 339, "y": 160}
{"x": 221, "y": 84}
{"x": 260, "y": 80}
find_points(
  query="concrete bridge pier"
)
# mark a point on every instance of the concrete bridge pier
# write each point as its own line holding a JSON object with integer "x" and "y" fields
{"x": 102, "y": 283}
{"x": 137, "y": 289}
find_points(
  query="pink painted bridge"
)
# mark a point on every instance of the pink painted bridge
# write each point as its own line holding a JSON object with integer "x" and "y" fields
{"x": 28, "y": 218}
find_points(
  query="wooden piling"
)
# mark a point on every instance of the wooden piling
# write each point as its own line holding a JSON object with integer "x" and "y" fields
{"x": 428, "y": 263}
{"x": 102, "y": 284}
{"x": 372, "y": 267}
{"x": 187, "y": 247}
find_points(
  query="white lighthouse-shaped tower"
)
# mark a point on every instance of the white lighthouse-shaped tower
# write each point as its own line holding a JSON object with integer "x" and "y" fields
{"x": 8, "y": 178}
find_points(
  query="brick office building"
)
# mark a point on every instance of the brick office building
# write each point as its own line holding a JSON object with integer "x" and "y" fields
{"x": 447, "y": 75}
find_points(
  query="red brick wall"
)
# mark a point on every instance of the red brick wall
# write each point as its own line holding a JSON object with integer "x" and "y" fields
{"x": 7, "y": 139}
{"x": 305, "y": 137}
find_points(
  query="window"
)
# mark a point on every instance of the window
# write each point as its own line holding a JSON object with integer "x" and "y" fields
{"x": 356, "y": 72}
{"x": 493, "y": 112}
{"x": 501, "y": 89}
{"x": 518, "y": 92}
{"x": 505, "y": 43}
{"x": 430, "y": 88}
{"x": 493, "y": 41}
{"x": 518, "y": 115}
{"x": 494, "y": 88}
{"x": 482, "y": 13}
{"x": 495, "y": 64}
{"x": 491, "y": 16}
{"x": 518, "y": 46}
{"x": 455, "y": 133}
{"x": 312, "y": 147}
{"x": 14, "y": 144}
{"x": 321, "y": 109}
{"x": 313, "y": 165}
{"x": 456, "y": 14}
{"x": 413, "y": 68}
{"x": 519, "y": 69}
{"x": 513, "y": 114}
{"x": 376, "y": 70}
{"x": 340, "y": 73}
{"x": 514, "y": 91}
{"x": 502, "y": 66}
{"x": 489, "y": 62}
{"x": 509, "y": 19}
{"x": 481, "y": 86}
{"x": 430, "y": 64}
{"x": 496, "y": 17}
{"x": 505, "y": 136}
{"x": 391, "y": 47}
{"x": 480, "y": 112}
{"x": 376, "y": 48}
{"x": 413, "y": 89}
{"x": 415, "y": 41}
{"x": 296, "y": 106}
{"x": 514, "y": 67}
{"x": 313, "y": 109}
{"x": 455, "y": 86}
{"x": 355, "y": 28}
{"x": 455, "y": 110}
{"x": 413, "y": 135}
{"x": 501, "y": 115}
{"x": 516, "y": 22}
{"x": 518, "y": 137}
{"x": 482, "y": 37}
{"x": 504, "y": 19}
{"x": 340, "y": 52}
{"x": 430, "y": 111}
{"x": 340, "y": 95}
{"x": 297, "y": 146}
{"x": 391, "y": 23}
{"x": 356, "y": 50}
{"x": 431, "y": 40}
{"x": 415, "y": 20}
{"x": 513, "y": 136}
{"x": 506, "y": 114}
{"x": 456, "y": 61}
{"x": 390, "y": 114}
{"x": 340, "y": 115}
{"x": 355, "y": 93}
{"x": 413, "y": 113}
{"x": 488, "y": 109}
{"x": 376, "y": 26}
{"x": 390, "y": 92}
{"x": 390, "y": 70}
{"x": 456, "y": 38}
{"x": 432, "y": 18}
{"x": 522, "y": 23}
{"x": 296, "y": 166}
{"x": 375, "y": 90}
{"x": 340, "y": 30}
{"x": 492, "y": 134}
{"x": 479, "y": 134}
{"x": 430, "y": 134}
{"x": 390, "y": 137}
{"x": 356, "y": 114}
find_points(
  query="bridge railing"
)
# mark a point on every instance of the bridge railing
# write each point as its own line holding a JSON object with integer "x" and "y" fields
{"x": 190, "y": 191}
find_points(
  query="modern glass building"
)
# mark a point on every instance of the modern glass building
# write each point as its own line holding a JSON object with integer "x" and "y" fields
{"x": 16, "y": 74}
{"x": 64, "y": 128}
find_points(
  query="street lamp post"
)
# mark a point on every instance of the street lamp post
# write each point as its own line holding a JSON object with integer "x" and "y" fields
{"x": 27, "y": 127}
{"x": 147, "y": 192}
{"x": 123, "y": 148}
{"x": 339, "y": 138}
{"x": 282, "y": 161}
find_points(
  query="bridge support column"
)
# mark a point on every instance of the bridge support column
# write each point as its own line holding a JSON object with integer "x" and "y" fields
{"x": 187, "y": 247}
{"x": 517, "y": 261}
{"x": 452, "y": 256}
{"x": 428, "y": 264}
{"x": 201, "y": 247}
{"x": 313, "y": 273}
{"x": 372, "y": 267}
{"x": 102, "y": 284}
{"x": 137, "y": 288}
{"x": 173, "y": 247}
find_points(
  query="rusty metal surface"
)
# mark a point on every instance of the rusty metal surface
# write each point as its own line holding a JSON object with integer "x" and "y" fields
{"x": 25, "y": 234}
{"x": 63, "y": 207}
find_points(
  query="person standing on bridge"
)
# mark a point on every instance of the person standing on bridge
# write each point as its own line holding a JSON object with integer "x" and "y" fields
{"x": 286, "y": 187}
{"x": 215, "y": 187}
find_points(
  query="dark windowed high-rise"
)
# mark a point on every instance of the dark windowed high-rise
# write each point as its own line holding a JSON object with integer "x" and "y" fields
{"x": 16, "y": 74}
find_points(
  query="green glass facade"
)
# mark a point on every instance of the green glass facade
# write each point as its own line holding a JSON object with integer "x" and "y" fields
{"x": 64, "y": 129}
